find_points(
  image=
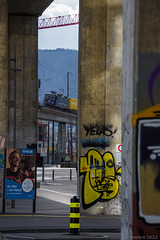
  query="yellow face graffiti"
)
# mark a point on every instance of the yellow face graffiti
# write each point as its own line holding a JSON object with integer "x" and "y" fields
{"x": 100, "y": 182}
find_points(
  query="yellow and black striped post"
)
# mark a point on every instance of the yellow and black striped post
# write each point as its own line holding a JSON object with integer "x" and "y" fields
{"x": 74, "y": 215}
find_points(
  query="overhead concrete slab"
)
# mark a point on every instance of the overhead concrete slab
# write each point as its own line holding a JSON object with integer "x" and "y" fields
{"x": 28, "y": 7}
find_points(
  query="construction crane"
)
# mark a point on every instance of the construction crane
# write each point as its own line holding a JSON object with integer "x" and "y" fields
{"x": 59, "y": 21}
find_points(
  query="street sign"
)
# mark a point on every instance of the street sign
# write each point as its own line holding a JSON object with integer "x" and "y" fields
{"x": 118, "y": 154}
{"x": 43, "y": 152}
{"x": 118, "y": 148}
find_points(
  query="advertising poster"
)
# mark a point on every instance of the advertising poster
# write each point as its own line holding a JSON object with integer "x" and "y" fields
{"x": 20, "y": 173}
{"x": 1, "y": 177}
{"x": 1, "y": 171}
{"x": 2, "y": 143}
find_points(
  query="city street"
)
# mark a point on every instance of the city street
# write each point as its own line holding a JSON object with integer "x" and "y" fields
{"x": 61, "y": 189}
{"x": 52, "y": 217}
{"x": 57, "y": 191}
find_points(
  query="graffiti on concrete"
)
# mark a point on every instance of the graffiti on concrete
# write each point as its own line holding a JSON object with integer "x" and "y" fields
{"x": 151, "y": 82}
{"x": 97, "y": 142}
{"x": 99, "y": 182}
{"x": 148, "y": 166}
{"x": 151, "y": 112}
{"x": 103, "y": 135}
{"x": 93, "y": 130}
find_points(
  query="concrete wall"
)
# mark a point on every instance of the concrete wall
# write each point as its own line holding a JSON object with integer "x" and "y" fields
{"x": 141, "y": 124}
{"x": 23, "y": 35}
{"x": 100, "y": 62}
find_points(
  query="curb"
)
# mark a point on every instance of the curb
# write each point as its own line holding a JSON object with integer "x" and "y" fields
{"x": 58, "y": 230}
{"x": 55, "y": 237}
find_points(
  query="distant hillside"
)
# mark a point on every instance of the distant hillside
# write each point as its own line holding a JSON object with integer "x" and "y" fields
{"x": 53, "y": 66}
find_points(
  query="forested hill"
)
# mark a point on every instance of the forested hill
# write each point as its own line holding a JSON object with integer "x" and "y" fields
{"x": 53, "y": 66}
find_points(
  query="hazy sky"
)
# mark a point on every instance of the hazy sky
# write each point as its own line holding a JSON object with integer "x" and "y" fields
{"x": 59, "y": 37}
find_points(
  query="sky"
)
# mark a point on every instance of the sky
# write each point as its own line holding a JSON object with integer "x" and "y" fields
{"x": 59, "y": 37}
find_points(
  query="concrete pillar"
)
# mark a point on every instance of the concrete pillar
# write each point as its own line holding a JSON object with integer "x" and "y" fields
{"x": 23, "y": 48}
{"x": 141, "y": 124}
{"x": 3, "y": 67}
{"x": 100, "y": 62}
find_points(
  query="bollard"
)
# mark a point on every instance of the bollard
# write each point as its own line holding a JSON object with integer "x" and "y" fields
{"x": 71, "y": 174}
{"x": 74, "y": 216}
{"x": 13, "y": 203}
{"x": 53, "y": 174}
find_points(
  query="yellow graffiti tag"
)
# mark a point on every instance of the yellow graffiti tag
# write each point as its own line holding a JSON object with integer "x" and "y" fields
{"x": 150, "y": 112}
{"x": 100, "y": 182}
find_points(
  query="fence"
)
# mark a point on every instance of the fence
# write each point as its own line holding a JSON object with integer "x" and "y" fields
{"x": 52, "y": 174}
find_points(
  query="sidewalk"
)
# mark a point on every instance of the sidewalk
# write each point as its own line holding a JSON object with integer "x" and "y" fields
{"x": 52, "y": 221}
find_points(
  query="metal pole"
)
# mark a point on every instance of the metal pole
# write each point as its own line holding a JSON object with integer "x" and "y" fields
{"x": 53, "y": 174}
{"x": 43, "y": 156}
{"x": 14, "y": 121}
{"x": 53, "y": 160}
{"x": 48, "y": 146}
{"x": 71, "y": 143}
{"x": 43, "y": 170}
{"x": 14, "y": 118}
{"x": 68, "y": 141}
{"x": 67, "y": 84}
{"x": 70, "y": 174}
{"x": 34, "y": 200}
